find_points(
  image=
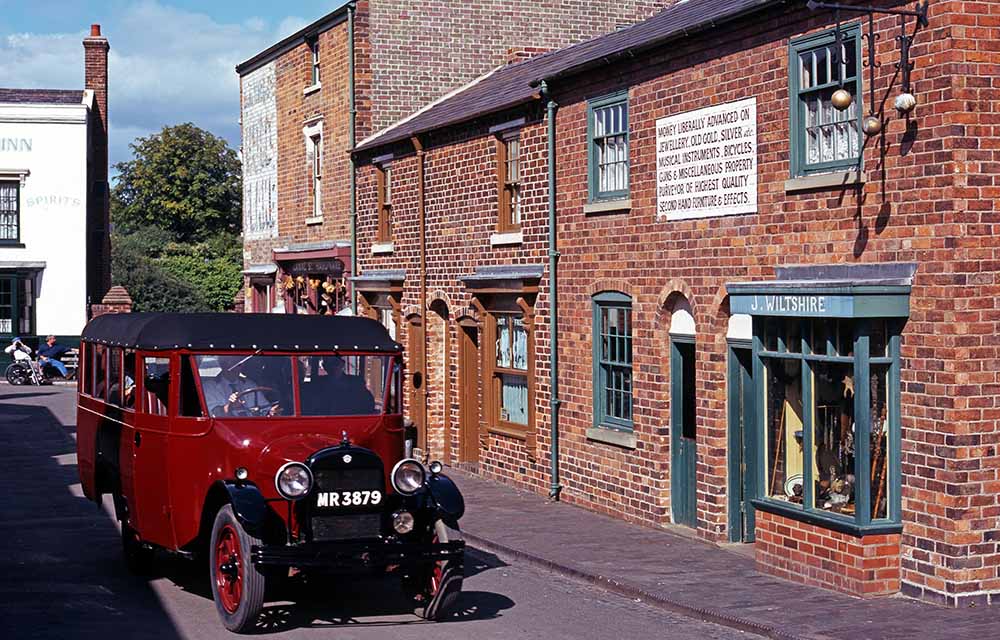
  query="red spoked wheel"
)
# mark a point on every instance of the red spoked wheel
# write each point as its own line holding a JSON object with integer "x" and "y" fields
{"x": 442, "y": 581}
{"x": 228, "y": 570}
{"x": 237, "y": 585}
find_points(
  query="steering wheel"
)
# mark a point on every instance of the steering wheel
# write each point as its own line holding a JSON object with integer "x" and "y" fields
{"x": 255, "y": 411}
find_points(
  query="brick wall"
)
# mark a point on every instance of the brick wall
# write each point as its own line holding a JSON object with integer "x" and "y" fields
{"x": 295, "y": 110}
{"x": 866, "y": 567}
{"x": 929, "y": 198}
{"x": 424, "y": 50}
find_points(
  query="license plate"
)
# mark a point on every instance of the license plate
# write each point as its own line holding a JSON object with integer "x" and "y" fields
{"x": 348, "y": 498}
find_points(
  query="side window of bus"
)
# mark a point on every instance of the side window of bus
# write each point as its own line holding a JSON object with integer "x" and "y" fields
{"x": 190, "y": 404}
{"x": 128, "y": 379}
{"x": 156, "y": 386}
{"x": 115, "y": 376}
{"x": 100, "y": 371}
{"x": 87, "y": 362}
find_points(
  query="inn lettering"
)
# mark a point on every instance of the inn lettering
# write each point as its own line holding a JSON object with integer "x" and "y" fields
{"x": 22, "y": 145}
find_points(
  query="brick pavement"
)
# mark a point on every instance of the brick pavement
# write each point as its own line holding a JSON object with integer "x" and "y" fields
{"x": 691, "y": 576}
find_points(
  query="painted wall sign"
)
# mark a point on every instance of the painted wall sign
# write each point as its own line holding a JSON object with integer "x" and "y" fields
{"x": 260, "y": 154}
{"x": 22, "y": 145}
{"x": 706, "y": 162}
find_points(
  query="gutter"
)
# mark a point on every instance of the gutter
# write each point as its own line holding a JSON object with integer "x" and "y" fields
{"x": 555, "y": 488}
{"x": 353, "y": 178}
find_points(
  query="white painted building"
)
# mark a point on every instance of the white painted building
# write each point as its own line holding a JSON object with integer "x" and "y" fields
{"x": 43, "y": 212}
{"x": 53, "y": 203}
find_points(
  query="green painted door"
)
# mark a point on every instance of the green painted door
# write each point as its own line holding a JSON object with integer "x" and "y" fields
{"x": 683, "y": 431}
{"x": 741, "y": 458}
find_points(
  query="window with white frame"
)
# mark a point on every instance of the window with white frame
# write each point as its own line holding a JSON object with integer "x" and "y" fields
{"x": 314, "y": 156}
{"x": 314, "y": 51}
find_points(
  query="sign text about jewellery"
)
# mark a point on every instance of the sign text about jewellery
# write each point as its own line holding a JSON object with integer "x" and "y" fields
{"x": 706, "y": 162}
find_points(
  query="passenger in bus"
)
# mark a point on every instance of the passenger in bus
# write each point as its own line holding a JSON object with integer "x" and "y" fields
{"x": 339, "y": 393}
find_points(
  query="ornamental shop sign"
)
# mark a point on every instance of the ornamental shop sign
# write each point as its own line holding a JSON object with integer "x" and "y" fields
{"x": 706, "y": 162}
{"x": 332, "y": 267}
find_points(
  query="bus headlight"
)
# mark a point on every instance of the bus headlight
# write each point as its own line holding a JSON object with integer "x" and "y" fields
{"x": 408, "y": 476}
{"x": 293, "y": 480}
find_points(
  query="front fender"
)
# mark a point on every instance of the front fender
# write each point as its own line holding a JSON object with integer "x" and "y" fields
{"x": 446, "y": 496}
{"x": 249, "y": 505}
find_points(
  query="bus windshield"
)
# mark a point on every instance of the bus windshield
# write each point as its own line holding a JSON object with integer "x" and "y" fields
{"x": 329, "y": 385}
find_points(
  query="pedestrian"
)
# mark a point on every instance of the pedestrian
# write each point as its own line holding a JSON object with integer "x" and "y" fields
{"x": 50, "y": 354}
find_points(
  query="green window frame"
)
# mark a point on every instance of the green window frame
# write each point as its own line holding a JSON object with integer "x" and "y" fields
{"x": 824, "y": 139}
{"x": 809, "y": 352}
{"x": 612, "y": 325}
{"x": 608, "y": 147}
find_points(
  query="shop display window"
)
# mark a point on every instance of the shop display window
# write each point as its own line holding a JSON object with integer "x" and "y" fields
{"x": 830, "y": 416}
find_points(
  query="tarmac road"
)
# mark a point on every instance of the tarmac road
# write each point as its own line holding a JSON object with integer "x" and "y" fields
{"x": 62, "y": 575}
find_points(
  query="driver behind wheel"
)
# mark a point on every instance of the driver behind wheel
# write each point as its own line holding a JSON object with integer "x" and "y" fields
{"x": 229, "y": 392}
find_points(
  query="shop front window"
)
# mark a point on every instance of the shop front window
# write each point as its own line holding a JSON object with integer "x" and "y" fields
{"x": 830, "y": 416}
{"x": 315, "y": 294}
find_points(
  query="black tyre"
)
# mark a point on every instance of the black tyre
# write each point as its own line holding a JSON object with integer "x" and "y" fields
{"x": 237, "y": 585}
{"x": 138, "y": 556}
{"x": 18, "y": 374}
{"x": 440, "y": 584}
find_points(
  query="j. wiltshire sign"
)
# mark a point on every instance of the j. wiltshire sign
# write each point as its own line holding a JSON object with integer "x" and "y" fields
{"x": 706, "y": 162}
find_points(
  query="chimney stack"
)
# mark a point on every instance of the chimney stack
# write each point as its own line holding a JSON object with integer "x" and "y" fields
{"x": 95, "y": 49}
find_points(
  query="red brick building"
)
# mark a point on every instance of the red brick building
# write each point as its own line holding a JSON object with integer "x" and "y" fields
{"x": 307, "y": 99}
{"x": 777, "y": 318}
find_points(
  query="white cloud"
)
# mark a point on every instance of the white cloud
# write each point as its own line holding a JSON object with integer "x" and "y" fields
{"x": 166, "y": 66}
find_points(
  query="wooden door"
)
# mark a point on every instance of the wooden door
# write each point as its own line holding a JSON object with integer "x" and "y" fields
{"x": 418, "y": 380}
{"x": 683, "y": 431}
{"x": 468, "y": 395}
{"x": 742, "y": 462}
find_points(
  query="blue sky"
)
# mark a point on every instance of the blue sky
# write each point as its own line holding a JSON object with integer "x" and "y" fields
{"x": 171, "y": 61}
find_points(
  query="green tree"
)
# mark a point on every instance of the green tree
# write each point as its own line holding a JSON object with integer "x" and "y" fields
{"x": 176, "y": 209}
{"x": 134, "y": 265}
{"x": 182, "y": 179}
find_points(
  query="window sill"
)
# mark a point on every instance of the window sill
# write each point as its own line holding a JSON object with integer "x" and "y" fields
{"x": 506, "y": 239}
{"x": 825, "y": 521}
{"x": 382, "y": 248}
{"x": 314, "y": 220}
{"x": 608, "y": 206}
{"x": 312, "y": 88}
{"x": 610, "y": 436}
{"x": 9, "y": 244}
{"x": 825, "y": 181}
{"x": 518, "y": 433}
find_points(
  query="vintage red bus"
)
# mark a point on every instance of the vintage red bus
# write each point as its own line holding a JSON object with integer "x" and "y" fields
{"x": 263, "y": 443}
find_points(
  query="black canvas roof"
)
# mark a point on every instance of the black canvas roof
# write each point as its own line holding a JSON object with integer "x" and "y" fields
{"x": 245, "y": 331}
{"x": 41, "y": 96}
{"x": 517, "y": 84}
